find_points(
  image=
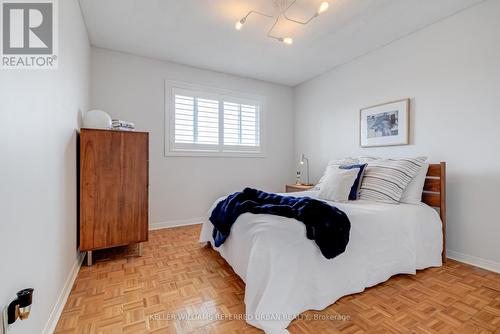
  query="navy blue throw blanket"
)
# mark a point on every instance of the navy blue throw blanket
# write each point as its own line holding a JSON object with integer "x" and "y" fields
{"x": 325, "y": 224}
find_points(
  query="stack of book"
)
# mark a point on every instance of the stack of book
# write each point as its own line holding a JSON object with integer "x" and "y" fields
{"x": 118, "y": 124}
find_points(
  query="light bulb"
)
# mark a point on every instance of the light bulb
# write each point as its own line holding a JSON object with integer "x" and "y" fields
{"x": 287, "y": 40}
{"x": 323, "y": 7}
{"x": 238, "y": 25}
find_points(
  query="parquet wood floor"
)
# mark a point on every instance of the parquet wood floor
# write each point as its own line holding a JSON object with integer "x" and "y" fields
{"x": 177, "y": 278}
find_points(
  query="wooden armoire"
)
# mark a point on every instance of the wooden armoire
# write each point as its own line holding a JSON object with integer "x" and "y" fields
{"x": 113, "y": 189}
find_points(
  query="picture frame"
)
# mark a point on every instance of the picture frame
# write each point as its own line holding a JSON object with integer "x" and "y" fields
{"x": 386, "y": 124}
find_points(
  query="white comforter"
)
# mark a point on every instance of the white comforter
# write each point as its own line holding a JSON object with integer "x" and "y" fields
{"x": 285, "y": 273}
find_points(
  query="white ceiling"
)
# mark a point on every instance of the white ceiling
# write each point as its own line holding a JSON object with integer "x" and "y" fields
{"x": 201, "y": 32}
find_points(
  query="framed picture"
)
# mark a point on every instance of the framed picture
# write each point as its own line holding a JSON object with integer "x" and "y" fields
{"x": 385, "y": 124}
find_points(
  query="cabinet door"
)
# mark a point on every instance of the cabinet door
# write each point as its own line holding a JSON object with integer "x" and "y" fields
{"x": 113, "y": 188}
{"x": 134, "y": 188}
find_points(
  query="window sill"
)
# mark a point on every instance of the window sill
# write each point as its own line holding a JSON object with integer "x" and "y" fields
{"x": 208, "y": 154}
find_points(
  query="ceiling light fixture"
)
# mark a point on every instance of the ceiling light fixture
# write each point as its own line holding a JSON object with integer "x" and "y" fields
{"x": 240, "y": 23}
{"x": 283, "y": 6}
{"x": 323, "y": 7}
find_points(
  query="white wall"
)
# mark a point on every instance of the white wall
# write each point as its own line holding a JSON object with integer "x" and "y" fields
{"x": 39, "y": 112}
{"x": 184, "y": 188}
{"x": 451, "y": 70}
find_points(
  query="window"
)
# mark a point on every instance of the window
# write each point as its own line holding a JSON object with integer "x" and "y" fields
{"x": 241, "y": 124}
{"x": 210, "y": 122}
{"x": 196, "y": 120}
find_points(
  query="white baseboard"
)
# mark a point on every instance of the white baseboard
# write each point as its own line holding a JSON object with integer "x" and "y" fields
{"x": 474, "y": 260}
{"x": 51, "y": 324}
{"x": 176, "y": 223}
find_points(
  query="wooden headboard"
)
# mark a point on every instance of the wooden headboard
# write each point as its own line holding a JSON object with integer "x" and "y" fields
{"x": 435, "y": 194}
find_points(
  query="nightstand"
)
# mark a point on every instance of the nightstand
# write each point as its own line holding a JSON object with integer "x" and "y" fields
{"x": 291, "y": 188}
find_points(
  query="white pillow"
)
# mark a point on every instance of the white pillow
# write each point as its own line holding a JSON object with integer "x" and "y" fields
{"x": 337, "y": 184}
{"x": 413, "y": 192}
{"x": 335, "y": 164}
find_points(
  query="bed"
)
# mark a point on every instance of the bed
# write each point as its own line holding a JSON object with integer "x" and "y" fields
{"x": 285, "y": 273}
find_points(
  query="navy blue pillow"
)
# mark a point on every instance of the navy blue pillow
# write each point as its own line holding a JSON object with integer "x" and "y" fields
{"x": 353, "y": 195}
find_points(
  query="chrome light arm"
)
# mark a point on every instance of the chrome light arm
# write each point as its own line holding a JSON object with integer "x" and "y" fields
{"x": 297, "y": 21}
{"x": 269, "y": 32}
{"x": 254, "y": 12}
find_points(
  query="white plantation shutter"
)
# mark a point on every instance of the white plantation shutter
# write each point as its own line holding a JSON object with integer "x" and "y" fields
{"x": 241, "y": 126}
{"x": 184, "y": 119}
{"x": 207, "y": 122}
{"x": 196, "y": 120}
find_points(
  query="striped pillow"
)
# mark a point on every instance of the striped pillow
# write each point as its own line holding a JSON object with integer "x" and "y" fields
{"x": 386, "y": 179}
